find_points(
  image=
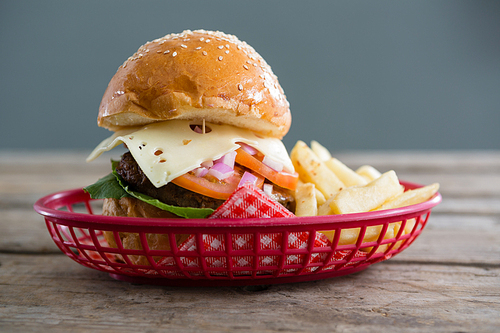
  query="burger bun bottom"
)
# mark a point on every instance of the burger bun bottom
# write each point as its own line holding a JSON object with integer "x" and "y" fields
{"x": 132, "y": 207}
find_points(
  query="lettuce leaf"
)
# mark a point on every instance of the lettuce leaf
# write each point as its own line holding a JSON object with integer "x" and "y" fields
{"x": 113, "y": 186}
{"x": 106, "y": 187}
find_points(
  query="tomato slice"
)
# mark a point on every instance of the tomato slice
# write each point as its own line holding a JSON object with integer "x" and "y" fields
{"x": 211, "y": 186}
{"x": 283, "y": 179}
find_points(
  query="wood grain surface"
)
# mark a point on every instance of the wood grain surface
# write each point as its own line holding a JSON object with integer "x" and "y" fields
{"x": 447, "y": 281}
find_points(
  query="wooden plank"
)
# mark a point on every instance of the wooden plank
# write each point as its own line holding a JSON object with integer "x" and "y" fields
{"x": 475, "y": 161}
{"x": 24, "y": 231}
{"x": 456, "y": 240}
{"x": 43, "y": 293}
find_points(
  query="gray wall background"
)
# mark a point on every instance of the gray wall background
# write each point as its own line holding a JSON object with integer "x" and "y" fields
{"x": 359, "y": 75}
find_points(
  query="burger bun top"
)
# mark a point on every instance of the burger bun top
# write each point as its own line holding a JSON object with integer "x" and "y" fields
{"x": 196, "y": 75}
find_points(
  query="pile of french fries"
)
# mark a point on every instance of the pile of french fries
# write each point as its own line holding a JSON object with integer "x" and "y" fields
{"x": 327, "y": 187}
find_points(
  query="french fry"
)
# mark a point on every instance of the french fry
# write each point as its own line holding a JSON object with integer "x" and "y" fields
{"x": 344, "y": 173}
{"x": 320, "y": 198}
{"x": 368, "y": 172}
{"x": 312, "y": 170}
{"x": 320, "y": 151}
{"x": 324, "y": 209}
{"x": 327, "y": 186}
{"x": 350, "y": 236}
{"x": 305, "y": 200}
{"x": 365, "y": 198}
{"x": 411, "y": 197}
{"x": 410, "y": 224}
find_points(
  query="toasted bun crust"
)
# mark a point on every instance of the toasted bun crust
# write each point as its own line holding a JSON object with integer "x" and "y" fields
{"x": 132, "y": 207}
{"x": 196, "y": 75}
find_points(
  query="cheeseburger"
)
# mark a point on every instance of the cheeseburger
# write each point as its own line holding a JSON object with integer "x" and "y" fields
{"x": 200, "y": 113}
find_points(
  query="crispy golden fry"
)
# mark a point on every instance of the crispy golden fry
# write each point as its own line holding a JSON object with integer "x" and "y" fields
{"x": 410, "y": 224}
{"x": 312, "y": 170}
{"x": 320, "y": 198}
{"x": 337, "y": 189}
{"x": 344, "y": 173}
{"x": 350, "y": 236}
{"x": 368, "y": 172}
{"x": 324, "y": 209}
{"x": 411, "y": 197}
{"x": 320, "y": 151}
{"x": 365, "y": 198}
{"x": 305, "y": 200}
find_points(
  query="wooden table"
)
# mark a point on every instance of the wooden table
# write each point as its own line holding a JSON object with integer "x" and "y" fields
{"x": 447, "y": 281}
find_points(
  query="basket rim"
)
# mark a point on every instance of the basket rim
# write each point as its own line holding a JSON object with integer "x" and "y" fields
{"x": 47, "y": 207}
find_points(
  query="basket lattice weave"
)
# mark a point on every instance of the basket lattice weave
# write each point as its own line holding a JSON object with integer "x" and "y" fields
{"x": 228, "y": 251}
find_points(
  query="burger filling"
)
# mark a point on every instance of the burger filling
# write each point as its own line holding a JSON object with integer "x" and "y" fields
{"x": 175, "y": 195}
{"x": 190, "y": 168}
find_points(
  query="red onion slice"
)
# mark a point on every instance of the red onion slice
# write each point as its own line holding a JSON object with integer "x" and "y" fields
{"x": 220, "y": 171}
{"x": 200, "y": 172}
{"x": 207, "y": 164}
{"x": 227, "y": 159}
{"x": 277, "y": 166}
{"x": 268, "y": 189}
{"x": 247, "y": 178}
{"x": 249, "y": 149}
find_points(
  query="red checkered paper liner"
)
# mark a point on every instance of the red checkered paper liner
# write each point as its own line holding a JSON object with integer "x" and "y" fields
{"x": 250, "y": 202}
{"x": 267, "y": 263}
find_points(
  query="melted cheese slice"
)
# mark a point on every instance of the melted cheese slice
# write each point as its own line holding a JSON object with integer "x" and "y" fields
{"x": 167, "y": 150}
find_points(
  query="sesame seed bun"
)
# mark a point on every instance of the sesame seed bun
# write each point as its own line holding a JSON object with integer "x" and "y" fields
{"x": 196, "y": 75}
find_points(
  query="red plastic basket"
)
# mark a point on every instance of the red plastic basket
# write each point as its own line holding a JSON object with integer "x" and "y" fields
{"x": 229, "y": 251}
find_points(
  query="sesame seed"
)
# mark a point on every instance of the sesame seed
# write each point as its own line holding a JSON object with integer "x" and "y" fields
{"x": 159, "y": 51}
{"x": 199, "y": 47}
{"x": 166, "y": 52}
{"x": 207, "y": 41}
{"x": 227, "y": 51}
{"x": 238, "y": 47}
{"x": 174, "y": 54}
{"x": 240, "y": 87}
{"x": 254, "y": 64}
{"x": 249, "y": 62}
{"x": 220, "y": 47}
{"x": 204, "y": 52}
{"x": 245, "y": 66}
{"x": 183, "y": 46}
{"x": 220, "y": 58}
{"x": 227, "y": 45}
{"x": 202, "y": 39}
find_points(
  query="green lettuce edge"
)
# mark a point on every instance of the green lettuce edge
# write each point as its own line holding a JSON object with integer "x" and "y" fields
{"x": 113, "y": 186}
